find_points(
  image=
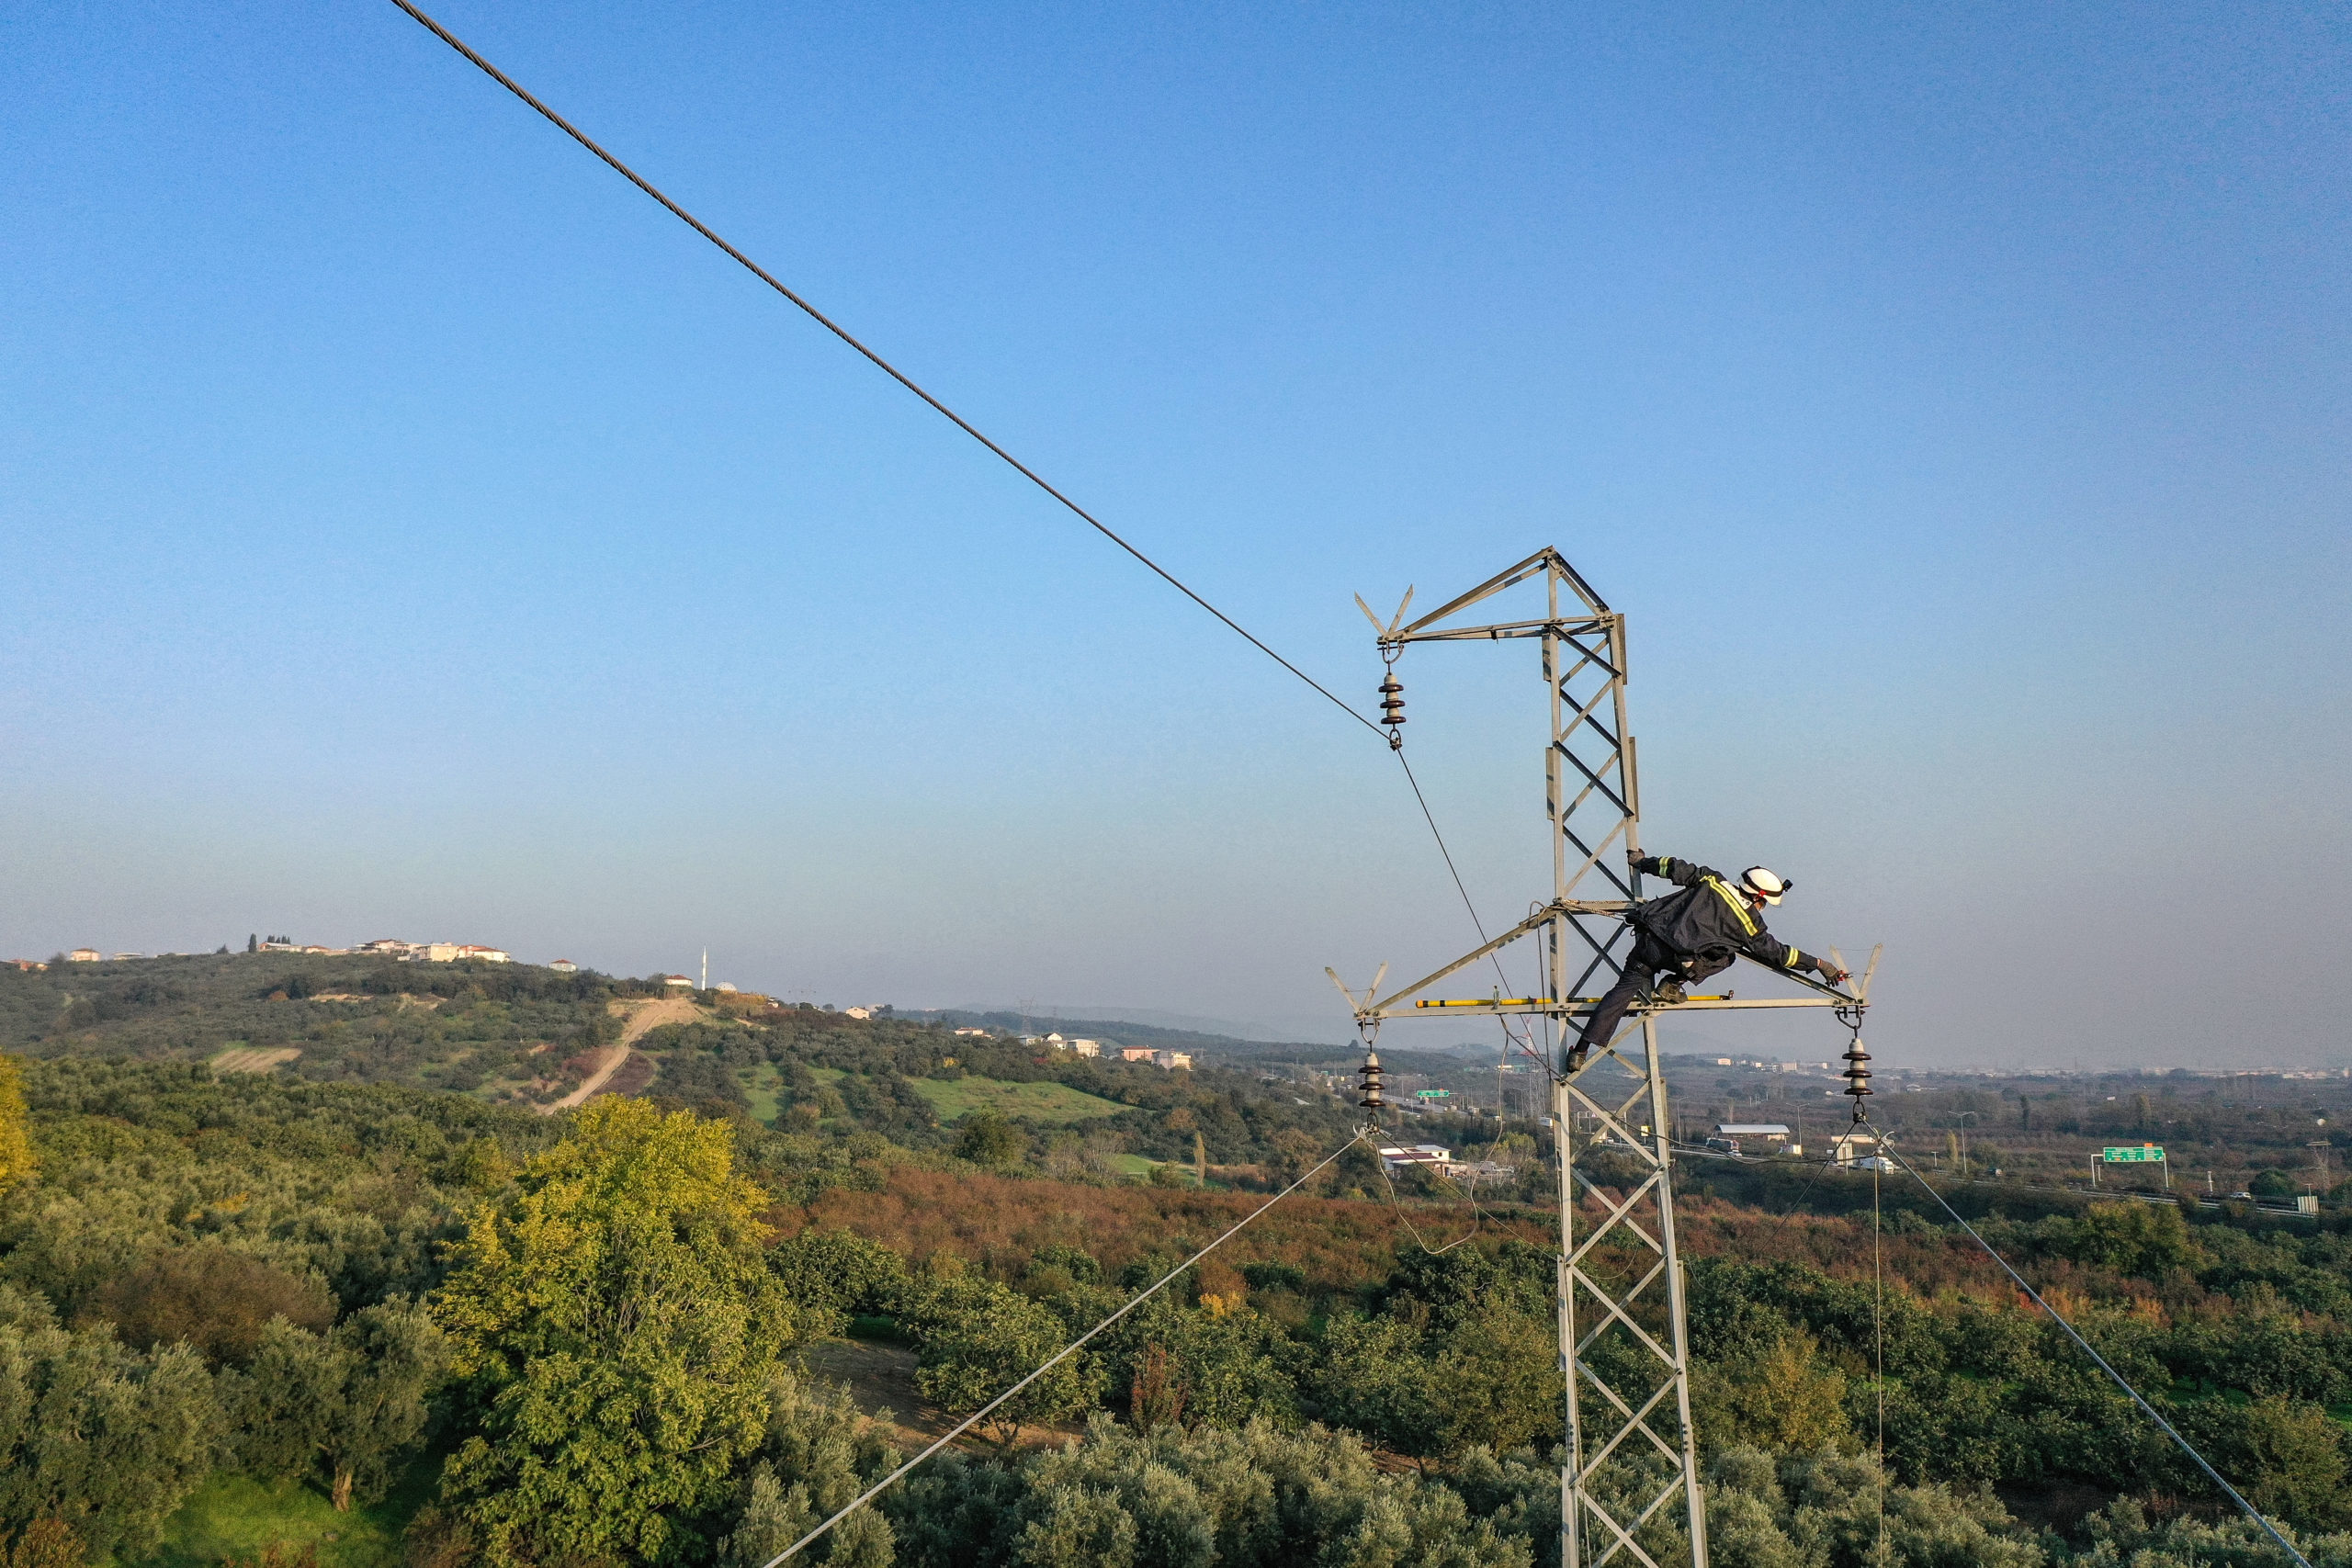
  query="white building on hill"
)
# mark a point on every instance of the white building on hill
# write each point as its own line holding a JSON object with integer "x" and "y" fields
{"x": 1427, "y": 1156}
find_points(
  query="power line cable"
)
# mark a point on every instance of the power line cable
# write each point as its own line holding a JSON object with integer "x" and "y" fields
{"x": 981, "y": 1415}
{"x": 699, "y": 227}
{"x": 1477, "y": 924}
{"x": 1887, "y": 1147}
{"x": 1878, "y": 1344}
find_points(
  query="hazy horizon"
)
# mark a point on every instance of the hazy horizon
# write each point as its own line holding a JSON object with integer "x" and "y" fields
{"x": 416, "y": 531}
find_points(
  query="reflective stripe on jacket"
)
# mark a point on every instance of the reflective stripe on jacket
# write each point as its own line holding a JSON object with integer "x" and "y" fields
{"x": 1710, "y": 920}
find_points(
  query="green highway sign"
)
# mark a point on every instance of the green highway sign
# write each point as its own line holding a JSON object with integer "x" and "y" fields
{"x": 1433, "y": 1094}
{"x": 2136, "y": 1152}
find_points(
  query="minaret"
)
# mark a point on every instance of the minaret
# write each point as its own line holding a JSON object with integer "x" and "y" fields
{"x": 706, "y": 970}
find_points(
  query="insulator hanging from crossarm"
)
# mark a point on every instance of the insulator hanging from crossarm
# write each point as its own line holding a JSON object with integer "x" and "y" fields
{"x": 1392, "y": 698}
{"x": 1369, "y": 1085}
{"x": 1858, "y": 1072}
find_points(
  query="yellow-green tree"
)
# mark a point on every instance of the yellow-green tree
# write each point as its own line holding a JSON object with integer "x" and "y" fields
{"x": 1791, "y": 1401}
{"x": 16, "y": 1127}
{"x": 616, "y": 1319}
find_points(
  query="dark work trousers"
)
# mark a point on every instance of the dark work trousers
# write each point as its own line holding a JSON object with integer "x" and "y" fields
{"x": 1642, "y": 965}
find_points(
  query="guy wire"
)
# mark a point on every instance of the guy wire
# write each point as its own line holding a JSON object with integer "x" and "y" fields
{"x": 1068, "y": 1350}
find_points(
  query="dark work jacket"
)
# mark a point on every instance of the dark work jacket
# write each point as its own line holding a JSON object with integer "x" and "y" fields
{"x": 1709, "y": 922}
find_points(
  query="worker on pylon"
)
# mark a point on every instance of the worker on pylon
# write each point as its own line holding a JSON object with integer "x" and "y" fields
{"x": 1690, "y": 935}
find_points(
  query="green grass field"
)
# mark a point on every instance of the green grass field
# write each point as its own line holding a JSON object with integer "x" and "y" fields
{"x": 234, "y": 1516}
{"x": 760, "y": 1085}
{"x": 1132, "y": 1164}
{"x": 952, "y": 1100}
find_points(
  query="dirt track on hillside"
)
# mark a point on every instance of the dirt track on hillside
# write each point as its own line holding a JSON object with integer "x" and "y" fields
{"x": 643, "y": 1018}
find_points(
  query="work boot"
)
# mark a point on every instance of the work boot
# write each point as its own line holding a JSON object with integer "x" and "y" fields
{"x": 1672, "y": 992}
{"x": 1577, "y": 1056}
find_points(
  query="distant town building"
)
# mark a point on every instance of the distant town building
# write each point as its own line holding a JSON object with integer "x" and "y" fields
{"x": 1087, "y": 1047}
{"x": 564, "y": 967}
{"x": 384, "y": 947}
{"x": 1171, "y": 1060}
{"x": 121, "y": 956}
{"x": 487, "y": 955}
{"x": 1132, "y": 1052}
{"x": 1426, "y": 1157}
{"x": 859, "y": 1012}
{"x": 681, "y": 982}
{"x": 1857, "y": 1151}
{"x": 1771, "y": 1137}
{"x": 971, "y": 1032}
{"x": 724, "y": 986}
{"x": 24, "y": 963}
{"x": 83, "y": 955}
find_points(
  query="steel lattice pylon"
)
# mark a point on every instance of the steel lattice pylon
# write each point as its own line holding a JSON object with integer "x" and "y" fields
{"x": 1629, "y": 1477}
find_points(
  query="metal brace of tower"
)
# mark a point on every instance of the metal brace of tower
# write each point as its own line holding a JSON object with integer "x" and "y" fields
{"x": 1628, "y": 1478}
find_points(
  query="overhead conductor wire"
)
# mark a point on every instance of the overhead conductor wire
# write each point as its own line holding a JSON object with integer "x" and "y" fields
{"x": 823, "y": 320}
{"x": 699, "y": 227}
{"x": 976, "y": 1416}
{"x": 1888, "y": 1147}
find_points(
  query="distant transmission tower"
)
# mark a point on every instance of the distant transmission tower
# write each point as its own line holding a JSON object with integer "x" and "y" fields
{"x": 1629, "y": 1477}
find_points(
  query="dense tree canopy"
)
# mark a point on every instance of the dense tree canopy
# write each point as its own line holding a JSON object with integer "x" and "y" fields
{"x": 16, "y": 1127}
{"x": 223, "y": 1272}
{"x": 618, "y": 1326}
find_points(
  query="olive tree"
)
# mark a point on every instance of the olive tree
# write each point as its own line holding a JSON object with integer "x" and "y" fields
{"x": 349, "y": 1403}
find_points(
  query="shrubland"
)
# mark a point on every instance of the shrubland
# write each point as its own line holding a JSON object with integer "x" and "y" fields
{"x": 584, "y": 1330}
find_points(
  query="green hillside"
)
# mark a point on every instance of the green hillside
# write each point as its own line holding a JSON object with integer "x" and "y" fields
{"x": 320, "y": 1018}
{"x": 952, "y": 1100}
{"x": 523, "y": 1035}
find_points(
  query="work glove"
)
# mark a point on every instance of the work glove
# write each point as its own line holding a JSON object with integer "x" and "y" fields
{"x": 1835, "y": 975}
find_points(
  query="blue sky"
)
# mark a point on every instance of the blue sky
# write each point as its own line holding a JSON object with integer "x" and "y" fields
{"x": 412, "y": 530}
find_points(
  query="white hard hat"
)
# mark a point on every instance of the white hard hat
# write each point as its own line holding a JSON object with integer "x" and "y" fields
{"x": 1765, "y": 884}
